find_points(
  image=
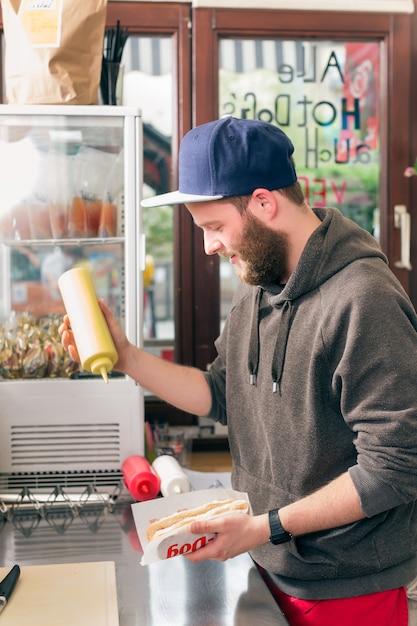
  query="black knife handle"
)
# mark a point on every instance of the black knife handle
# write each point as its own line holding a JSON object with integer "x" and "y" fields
{"x": 8, "y": 583}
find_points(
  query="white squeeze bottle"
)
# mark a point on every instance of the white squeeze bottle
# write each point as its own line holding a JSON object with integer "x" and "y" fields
{"x": 173, "y": 479}
{"x": 92, "y": 336}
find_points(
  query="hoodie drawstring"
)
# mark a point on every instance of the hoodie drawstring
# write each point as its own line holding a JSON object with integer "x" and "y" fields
{"x": 278, "y": 359}
{"x": 253, "y": 353}
{"x": 277, "y": 365}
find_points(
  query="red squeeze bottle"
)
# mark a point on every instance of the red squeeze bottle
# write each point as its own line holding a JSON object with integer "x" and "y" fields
{"x": 140, "y": 479}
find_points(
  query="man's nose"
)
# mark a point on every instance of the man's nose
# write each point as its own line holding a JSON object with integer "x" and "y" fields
{"x": 212, "y": 245}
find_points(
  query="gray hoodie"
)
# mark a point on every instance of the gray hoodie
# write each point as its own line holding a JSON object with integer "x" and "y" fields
{"x": 318, "y": 378}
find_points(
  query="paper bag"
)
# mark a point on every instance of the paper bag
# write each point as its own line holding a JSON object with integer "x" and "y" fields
{"x": 53, "y": 50}
{"x": 181, "y": 541}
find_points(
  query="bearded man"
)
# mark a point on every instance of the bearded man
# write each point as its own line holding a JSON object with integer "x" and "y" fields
{"x": 315, "y": 377}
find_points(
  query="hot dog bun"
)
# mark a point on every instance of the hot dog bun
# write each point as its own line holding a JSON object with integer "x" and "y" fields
{"x": 171, "y": 523}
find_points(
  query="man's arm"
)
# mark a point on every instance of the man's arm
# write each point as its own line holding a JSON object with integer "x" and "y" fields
{"x": 334, "y": 505}
{"x": 183, "y": 387}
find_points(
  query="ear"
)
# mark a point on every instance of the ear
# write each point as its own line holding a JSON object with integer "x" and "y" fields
{"x": 263, "y": 204}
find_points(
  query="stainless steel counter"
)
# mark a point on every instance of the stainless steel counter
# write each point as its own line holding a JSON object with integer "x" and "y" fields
{"x": 174, "y": 592}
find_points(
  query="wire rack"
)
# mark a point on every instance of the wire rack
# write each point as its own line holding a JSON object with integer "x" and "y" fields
{"x": 59, "y": 500}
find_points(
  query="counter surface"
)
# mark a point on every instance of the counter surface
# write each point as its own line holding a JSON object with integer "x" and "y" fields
{"x": 174, "y": 593}
{"x": 211, "y": 461}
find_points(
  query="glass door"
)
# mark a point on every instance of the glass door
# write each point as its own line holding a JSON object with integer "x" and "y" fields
{"x": 330, "y": 81}
{"x": 62, "y": 205}
{"x": 326, "y": 96}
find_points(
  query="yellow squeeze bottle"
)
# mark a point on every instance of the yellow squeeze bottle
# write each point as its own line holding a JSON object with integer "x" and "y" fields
{"x": 92, "y": 336}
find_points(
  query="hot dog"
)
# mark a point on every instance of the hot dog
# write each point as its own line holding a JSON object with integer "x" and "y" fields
{"x": 171, "y": 523}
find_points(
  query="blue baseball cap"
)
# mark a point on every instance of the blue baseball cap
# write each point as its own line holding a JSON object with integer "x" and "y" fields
{"x": 230, "y": 157}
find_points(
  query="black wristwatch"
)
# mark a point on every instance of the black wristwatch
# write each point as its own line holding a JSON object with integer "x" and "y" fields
{"x": 278, "y": 534}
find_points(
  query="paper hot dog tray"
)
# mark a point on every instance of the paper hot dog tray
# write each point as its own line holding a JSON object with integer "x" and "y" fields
{"x": 178, "y": 540}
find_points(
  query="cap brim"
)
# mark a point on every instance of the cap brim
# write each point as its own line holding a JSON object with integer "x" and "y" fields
{"x": 176, "y": 197}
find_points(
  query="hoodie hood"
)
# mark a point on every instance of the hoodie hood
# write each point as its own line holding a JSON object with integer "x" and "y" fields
{"x": 337, "y": 242}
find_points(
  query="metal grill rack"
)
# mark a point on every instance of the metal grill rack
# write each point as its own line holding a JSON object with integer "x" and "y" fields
{"x": 58, "y": 501}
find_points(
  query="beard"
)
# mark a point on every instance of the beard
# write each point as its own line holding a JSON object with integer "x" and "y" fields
{"x": 262, "y": 252}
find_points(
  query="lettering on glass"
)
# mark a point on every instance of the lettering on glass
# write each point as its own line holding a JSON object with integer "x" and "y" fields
{"x": 325, "y": 95}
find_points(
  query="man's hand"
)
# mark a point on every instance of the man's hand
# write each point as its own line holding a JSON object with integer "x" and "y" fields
{"x": 67, "y": 339}
{"x": 120, "y": 340}
{"x": 236, "y": 533}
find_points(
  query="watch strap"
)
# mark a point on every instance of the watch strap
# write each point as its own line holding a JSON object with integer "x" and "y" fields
{"x": 278, "y": 534}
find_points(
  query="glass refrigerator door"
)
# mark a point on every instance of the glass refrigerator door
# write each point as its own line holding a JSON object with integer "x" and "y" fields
{"x": 70, "y": 184}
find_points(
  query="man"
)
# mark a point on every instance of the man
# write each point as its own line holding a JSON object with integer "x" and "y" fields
{"x": 316, "y": 377}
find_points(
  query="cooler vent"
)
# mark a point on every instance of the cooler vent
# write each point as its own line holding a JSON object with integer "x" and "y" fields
{"x": 68, "y": 481}
{"x": 81, "y": 445}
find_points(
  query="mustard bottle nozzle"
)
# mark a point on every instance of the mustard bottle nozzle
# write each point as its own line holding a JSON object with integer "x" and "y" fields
{"x": 103, "y": 372}
{"x": 102, "y": 365}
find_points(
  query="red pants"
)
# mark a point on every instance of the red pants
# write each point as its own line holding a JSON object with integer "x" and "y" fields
{"x": 385, "y": 608}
